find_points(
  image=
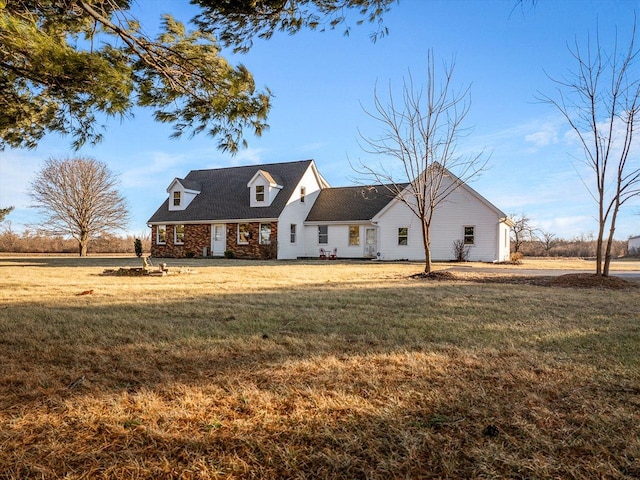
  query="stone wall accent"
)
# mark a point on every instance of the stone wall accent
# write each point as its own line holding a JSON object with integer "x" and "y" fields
{"x": 198, "y": 236}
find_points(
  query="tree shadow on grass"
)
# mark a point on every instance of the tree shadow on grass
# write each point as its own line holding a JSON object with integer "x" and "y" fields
{"x": 294, "y": 385}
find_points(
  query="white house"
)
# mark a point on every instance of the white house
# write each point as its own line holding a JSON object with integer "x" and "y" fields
{"x": 633, "y": 247}
{"x": 288, "y": 211}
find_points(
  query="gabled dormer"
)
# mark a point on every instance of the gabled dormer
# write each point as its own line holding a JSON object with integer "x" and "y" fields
{"x": 181, "y": 193}
{"x": 263, "y": 188}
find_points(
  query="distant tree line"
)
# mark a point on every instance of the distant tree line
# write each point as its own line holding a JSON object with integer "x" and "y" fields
{"x": 582, "y": 247}
{"x": 529, "y": 240}
{"x": 38, "y": 242}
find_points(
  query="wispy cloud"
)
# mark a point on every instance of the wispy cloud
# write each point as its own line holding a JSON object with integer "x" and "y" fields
{"x": 251, "y": 156}
{"x": 547, "y": 135}
{"x": 155, "y": 166}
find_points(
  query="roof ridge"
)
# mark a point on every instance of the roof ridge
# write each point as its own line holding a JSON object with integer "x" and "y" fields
{"x": 367, "y": 186}
{"x": 255, "y": 165}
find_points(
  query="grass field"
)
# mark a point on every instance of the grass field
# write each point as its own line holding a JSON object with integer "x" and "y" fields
{"x": 315, "y": 370}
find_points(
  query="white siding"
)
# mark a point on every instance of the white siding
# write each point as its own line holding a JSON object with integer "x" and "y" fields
{"x": 338, "y": 238}
{"x": 295, "y": 212}
{"x": 634, "y": 246}
{"x": 504, "y": 242}
{"x": 462, "y": 208}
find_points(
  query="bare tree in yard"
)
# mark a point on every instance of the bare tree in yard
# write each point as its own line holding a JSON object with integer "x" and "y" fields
{"x": 522, "y": 231}
{"x": 78, "y": 197}
{"x": 600, "y": 101}
{"x": 421, "y": 165}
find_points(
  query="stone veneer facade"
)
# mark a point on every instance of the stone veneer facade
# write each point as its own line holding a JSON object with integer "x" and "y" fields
{"x": 197, "y": 237}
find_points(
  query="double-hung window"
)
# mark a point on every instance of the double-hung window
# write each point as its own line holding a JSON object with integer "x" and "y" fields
{"x": 176, "y": 199}
{"x": 323, "y": 234}
{"x": 403, "y": 236}
{"x": 178, "y": 234}
{"x": 259, "y": 193}
{"x": 354, "y": 235}
{"x": 293, "y": 233}
{"x": 243, "y": 233}
{"x": 265, "y": 233}
{"x": 161, "y": 235}
{"x": 469, "y": 235}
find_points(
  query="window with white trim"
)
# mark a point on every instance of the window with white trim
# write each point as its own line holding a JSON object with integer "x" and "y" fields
{"x": 176, "y": 199}
{"x": 161, "y": 234}
{"x": 178, "y": 234}
{"x": 354, "y": 235}
{"x": 265, "y": 234}
{"x": 303, "y": 193}
{"x": 259, "y": 193}
{"x": 469, "y": 235}
{"x": 293, "y": 233}
{"x": 323, "y": 234}
{"x": 243, "y": 233}
{"x": 403, "y": 236}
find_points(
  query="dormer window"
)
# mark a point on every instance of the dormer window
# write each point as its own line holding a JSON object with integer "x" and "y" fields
{"x": 181, "y": 193}
{"x": 264, "y": 188}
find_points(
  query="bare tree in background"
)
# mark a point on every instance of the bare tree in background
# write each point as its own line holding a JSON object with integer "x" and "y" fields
{"x": 421, "y": 165}
{"x": 600, "y": 100}
{"x": 78, "y": 197}
{"x": 547, "y": 240}
{"x": 522, "y": 230}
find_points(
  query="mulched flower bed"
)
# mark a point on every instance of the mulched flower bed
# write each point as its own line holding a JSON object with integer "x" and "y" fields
{"x": 573, "y": 280}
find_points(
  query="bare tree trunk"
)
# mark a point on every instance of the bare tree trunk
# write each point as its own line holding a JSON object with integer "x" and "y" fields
{"x": 612, "y": 229}
{"x": 602, "y": 221}
{"x": 83, "y": 243}
{"x": 599, "y": 248}
{"x": 426, "y": 238}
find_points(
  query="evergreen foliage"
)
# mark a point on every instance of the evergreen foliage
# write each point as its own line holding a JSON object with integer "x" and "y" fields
{"x": 4, "y": 212}
{"x": 67, "y": 65}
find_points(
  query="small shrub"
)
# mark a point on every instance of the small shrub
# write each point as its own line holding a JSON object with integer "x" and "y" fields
{"x": 270, "y": 250}
{"x": 190, "y": 254}
{"x": 516, "y": 258}
{"x": 137, "y": 246}
{"x": 460, "y": 251}
{"x": 228, "y": 254}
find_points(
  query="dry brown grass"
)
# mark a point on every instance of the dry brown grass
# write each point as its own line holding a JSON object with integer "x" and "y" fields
{"x": 311, "y": 370}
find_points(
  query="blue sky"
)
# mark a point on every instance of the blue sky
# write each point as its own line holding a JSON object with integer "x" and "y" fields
{"x": 323, "y": 80}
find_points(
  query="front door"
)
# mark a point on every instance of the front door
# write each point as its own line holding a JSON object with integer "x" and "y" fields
{"x": 371, "y": 244}
{"x": 218, "y": 240}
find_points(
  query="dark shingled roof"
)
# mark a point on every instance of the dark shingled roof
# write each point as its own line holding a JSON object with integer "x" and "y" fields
{"x": 349, "y": 203}
{"x": 224, "y": 194}
{"x": 189, "y": 185}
